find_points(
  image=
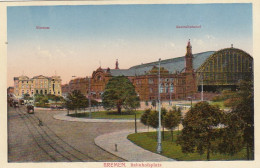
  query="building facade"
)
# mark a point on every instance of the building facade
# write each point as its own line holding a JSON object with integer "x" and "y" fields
{"x": 181, "y": 77}
{"x": 177, "y": 81}
{"x": 37, "y": 85}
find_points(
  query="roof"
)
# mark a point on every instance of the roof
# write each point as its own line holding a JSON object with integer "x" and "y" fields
{"x": 40, "y": 76}
{"x": 172, "y": 65}
{"x": 122, "y": 72}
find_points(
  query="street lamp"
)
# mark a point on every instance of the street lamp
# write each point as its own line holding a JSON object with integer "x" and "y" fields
{"x": 201, "y": 87}
{"x": 190, "y": 102}
{"x": 159, "y": 141}
{"x": 89, "y": 100}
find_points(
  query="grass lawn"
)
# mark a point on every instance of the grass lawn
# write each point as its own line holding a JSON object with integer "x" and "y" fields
{"x": 148, "y": 140}
{"x": 220, "y": 103}
{"x": 109, "y": 115}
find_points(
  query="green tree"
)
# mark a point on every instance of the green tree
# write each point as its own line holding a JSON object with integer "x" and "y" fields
{"x": 154, "y": 103}
{"x": 120, "y": 93}
{"x": 239, "y": 130}
{"x": 163, "y": 113}
{"x": 38, "y": 97}
{"x": 75, "y": 101}
{"x": 172, "y": 119}
{"x": 27, "y": 97}
{"x": 144, "y": 117}
{"x": 200, "y": 129}
{"x": 146, "y": 103}
{"x": 153, "y": 119}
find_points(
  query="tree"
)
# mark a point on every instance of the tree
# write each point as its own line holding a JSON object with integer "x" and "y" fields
{"x": 144, "y": 117}
{"x": 120, "y": 93}
{"x": 153, "y": 118}
{"x": 172, "y": 119}
{"x": 200, "y": 129}
{"x": 27, "y": 97}
{"x": 163, "y": 113}
{"x": 146, "y": 103}
{"x": 154, "y": 103}
{"x": 75, "y": 101}
{"x": 239, "y": 130}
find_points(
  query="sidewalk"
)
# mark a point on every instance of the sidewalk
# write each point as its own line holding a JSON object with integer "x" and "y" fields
{"x": 63, "y": 116}
{"x": 125, "y": 148}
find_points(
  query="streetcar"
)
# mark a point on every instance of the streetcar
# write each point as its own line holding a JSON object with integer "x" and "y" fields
{"x": 15, "y": 103}
{"x": 21, "y": 101}
{"x": 30, "y": 109}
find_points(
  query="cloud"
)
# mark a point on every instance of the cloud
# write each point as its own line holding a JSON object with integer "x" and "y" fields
{"x": 210, "y": 37}
{"x": 199, "y": 42}
{"x": 172, "y": 44}
{"x": 42, "y": 53}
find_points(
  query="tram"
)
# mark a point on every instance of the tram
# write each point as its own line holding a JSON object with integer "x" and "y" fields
{"x": 30, "y": 109}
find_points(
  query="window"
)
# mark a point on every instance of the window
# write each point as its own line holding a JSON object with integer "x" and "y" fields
{"x": 166, "y": 88}
{"x": 171, "y": 88}
{"x": 161, "y": 88}
{"x": 150, "y": 81}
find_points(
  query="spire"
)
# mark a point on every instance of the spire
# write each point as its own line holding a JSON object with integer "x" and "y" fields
{"x": 188, "y": 58}
{"x": 188, "y": 43}
{"x": 189, "y": 49}
{"x": 117, "y": 64}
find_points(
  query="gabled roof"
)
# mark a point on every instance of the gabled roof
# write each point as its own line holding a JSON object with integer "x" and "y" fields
{"x": 40, "y": 76}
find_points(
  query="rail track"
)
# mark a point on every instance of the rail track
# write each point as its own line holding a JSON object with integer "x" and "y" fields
{"x": 48, "y": 141}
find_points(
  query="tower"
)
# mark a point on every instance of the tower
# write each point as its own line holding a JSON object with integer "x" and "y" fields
{"x": 190, "y": 78}
{"x": 117, "y": 64}
{"x": 188, "y": 58}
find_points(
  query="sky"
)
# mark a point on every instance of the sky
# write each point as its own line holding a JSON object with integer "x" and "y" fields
{"x": 80, "y": 39}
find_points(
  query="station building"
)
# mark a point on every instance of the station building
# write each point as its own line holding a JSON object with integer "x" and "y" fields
{"x": 181, "y": 77}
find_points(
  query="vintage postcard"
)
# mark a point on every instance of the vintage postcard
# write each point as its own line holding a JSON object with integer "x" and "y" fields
{"x": 129, "y": 84}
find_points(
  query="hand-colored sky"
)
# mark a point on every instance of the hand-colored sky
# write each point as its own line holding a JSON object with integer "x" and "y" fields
{"x": 80, "y": 38}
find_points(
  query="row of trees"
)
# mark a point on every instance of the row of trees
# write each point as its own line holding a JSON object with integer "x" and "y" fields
{"x": 211, "y": 130}
{"x": 43, "y": 100}
{"x": 76, "y": 100}
{"x": 170, "y": 119}
{"x": 207, "y": 129}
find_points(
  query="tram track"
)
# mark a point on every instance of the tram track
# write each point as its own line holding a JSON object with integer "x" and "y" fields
{"x": 47, "y": 140}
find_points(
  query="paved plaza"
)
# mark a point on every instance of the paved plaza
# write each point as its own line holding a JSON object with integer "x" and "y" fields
{"x": 64, "y": 139}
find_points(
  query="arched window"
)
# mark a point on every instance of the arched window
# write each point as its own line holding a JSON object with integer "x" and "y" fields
{"x": 171, "y": 88}
{"x": 161, "y": 88}
{"x": 166, "y": 88}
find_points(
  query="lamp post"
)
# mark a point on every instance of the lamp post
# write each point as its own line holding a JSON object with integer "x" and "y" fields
{"x": 159, "y": 141}
{"x": 190, "y": 103}
{"x": 135, "y": 123}
{"x": 202, "y": 87}
{"x": 89, "y": 100}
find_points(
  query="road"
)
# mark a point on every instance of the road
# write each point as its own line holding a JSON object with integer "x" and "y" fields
{"x": 39, "y": 137}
